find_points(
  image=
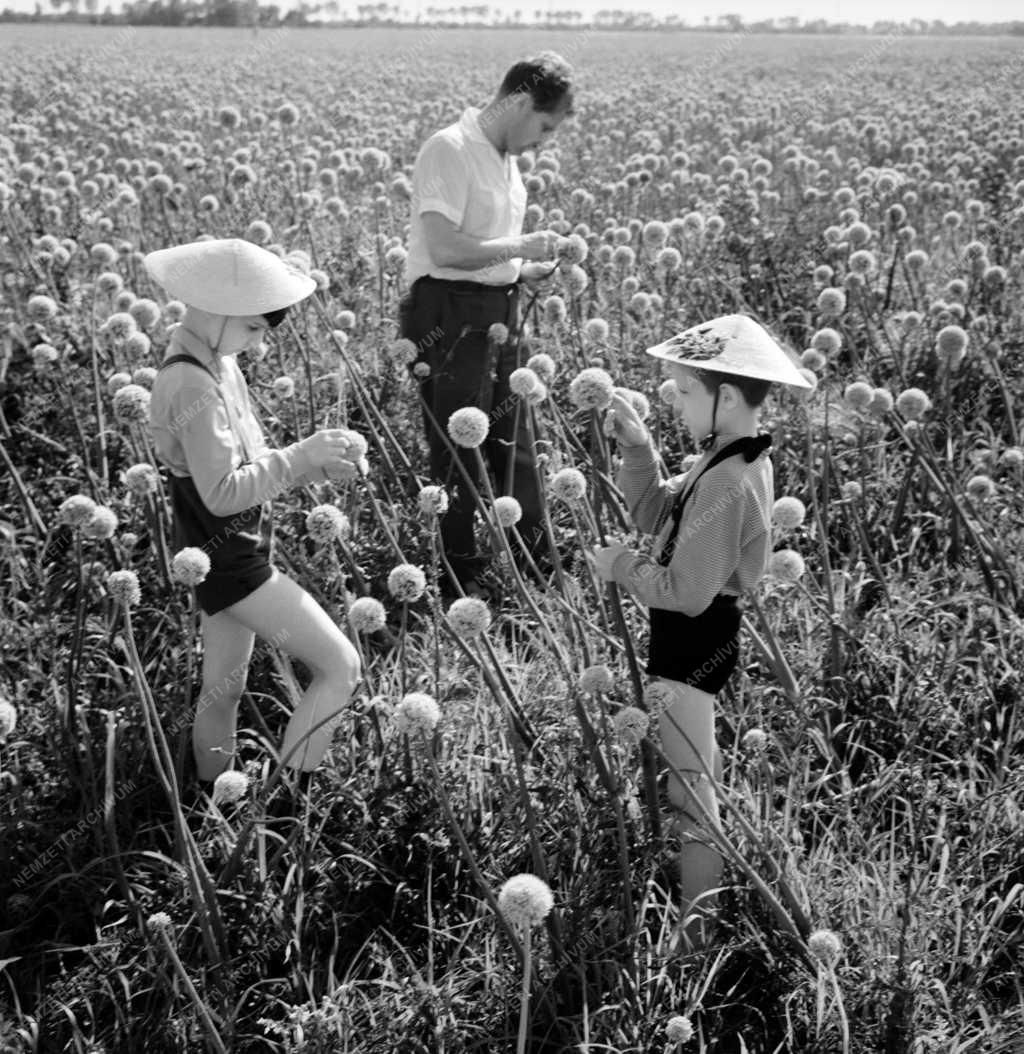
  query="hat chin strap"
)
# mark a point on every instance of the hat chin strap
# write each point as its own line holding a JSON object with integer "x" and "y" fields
{"x": 224, "y": 326}
{"x": 706, "y": 443}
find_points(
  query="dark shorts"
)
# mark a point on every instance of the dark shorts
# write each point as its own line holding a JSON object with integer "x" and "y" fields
{"x": 239, "y": 546}
{"x": 701, "y": 650}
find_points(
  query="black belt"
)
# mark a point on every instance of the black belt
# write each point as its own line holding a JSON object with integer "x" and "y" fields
{"x": 461, "y": 286}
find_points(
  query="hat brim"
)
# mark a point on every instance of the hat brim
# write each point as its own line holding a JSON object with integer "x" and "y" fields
{"x": 781, "y": 370}
{"x": 185, "y": 275}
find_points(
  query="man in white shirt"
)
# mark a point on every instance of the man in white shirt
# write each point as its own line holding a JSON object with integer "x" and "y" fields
{"x": 466, "y": 248}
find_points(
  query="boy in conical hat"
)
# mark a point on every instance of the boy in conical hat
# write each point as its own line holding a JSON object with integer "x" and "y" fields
{"x": 222, "y": 477}
{"x": 713, "y": 529}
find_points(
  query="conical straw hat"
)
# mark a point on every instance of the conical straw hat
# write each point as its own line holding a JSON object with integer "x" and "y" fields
{"x": 732, "y": 344}
{"x": 228, "y": 276}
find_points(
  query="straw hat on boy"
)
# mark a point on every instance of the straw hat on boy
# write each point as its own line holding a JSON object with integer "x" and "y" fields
{"x": 732, "y": 344}
{"x": 228, "y": 276}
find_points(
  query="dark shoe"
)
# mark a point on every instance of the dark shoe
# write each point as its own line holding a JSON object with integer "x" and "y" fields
{"x": 288, "y": 801}
{"x": 475, "y": 588}
{"x": 471, "y": 587}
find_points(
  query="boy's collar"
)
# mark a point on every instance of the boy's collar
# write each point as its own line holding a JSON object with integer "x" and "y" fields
{"x": 198, "y": 348}
{"x": 724, "y": 438}
{"x": 752, "y": 448}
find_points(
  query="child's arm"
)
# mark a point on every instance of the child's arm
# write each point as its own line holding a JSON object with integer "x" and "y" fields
{"x": 639, "y": 477}
{"x": 316, "y": 475}
{"x": 209, "y": 446}
{"x": 641, "y": 484}
{"x": 707, "y": 552}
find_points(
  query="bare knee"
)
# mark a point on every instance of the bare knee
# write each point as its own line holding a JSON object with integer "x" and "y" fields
{"x": 679, "y": 794}
{"x": 343, "y": 667}
{"x": 352, "y": 663}
{"x": 692, "y": 785}
{"x": 220, "y": 695}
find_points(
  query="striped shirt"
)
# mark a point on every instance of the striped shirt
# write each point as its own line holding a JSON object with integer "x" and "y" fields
{"x": 222, "y": 449}
{"x": 724, "y": 538}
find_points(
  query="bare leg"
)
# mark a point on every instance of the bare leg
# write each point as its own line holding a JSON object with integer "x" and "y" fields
{"x": 693, "y": 712}
{"x": 282, "y": 611}
{"x": 227, "y": 648}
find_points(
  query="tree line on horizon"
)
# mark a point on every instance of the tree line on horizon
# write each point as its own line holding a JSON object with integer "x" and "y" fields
{"x": 318, "y": 13}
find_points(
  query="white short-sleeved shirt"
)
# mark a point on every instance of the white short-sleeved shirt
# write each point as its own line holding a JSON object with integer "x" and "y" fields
{"x": 460, "y": 174}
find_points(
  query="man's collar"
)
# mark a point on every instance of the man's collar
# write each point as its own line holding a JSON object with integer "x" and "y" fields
{"x": 470, "y": 123}
{"x": 471, "y": 128}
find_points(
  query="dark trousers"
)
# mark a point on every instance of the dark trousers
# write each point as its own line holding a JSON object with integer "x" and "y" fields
{"x": 449, "y": 322}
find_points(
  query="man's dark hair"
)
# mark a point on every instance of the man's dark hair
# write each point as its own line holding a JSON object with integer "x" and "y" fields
{"x": 275, "y": 318}
{"x": 547, "y": 78}
{"x": 753, "y": 389}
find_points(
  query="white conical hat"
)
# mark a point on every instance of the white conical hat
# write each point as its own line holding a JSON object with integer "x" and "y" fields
{"x": 732, "y": 344}
{"x": 228, "y": 276}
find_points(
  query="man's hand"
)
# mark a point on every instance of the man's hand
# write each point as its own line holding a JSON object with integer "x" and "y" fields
{"x": 538, "y": 277}
{"x": 540, "y": 245}
{"x": 602, "y": 557}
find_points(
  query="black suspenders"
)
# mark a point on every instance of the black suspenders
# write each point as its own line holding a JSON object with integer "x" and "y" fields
{"x": 195, "y": 362}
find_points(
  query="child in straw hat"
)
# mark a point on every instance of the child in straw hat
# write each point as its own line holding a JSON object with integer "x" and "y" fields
{"x": 713, "y": 529}
{"x": 222, "y": 477}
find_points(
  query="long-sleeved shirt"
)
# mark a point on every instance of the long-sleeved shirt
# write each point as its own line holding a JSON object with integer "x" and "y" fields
{"x": 724, "y": 538}
{"x": 195, "y": 435}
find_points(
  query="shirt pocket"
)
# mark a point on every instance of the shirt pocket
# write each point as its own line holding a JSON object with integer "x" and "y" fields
{"x": 493, "y": 214}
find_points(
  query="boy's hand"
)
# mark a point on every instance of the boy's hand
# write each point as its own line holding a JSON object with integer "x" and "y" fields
{"x": 338, "y": 452}
{"x": 623, "y": 422}
{"x": 341, "y": 471}
{"x": 326, "y": 448}
{"x": 602, "y": 557}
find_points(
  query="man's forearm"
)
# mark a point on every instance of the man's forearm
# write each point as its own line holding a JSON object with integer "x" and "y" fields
{"x": 463, "y": 251}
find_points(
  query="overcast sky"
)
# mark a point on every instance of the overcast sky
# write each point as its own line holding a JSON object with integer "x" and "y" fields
{"x": 864, "y": 11}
